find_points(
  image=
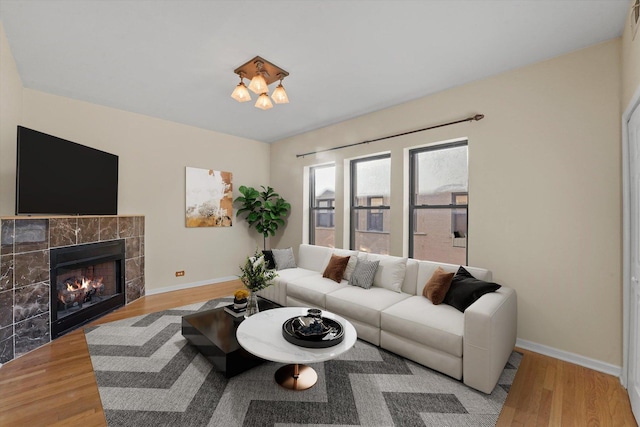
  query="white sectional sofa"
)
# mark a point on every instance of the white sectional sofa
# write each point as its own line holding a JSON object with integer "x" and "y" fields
{"x": 473, "y": 346}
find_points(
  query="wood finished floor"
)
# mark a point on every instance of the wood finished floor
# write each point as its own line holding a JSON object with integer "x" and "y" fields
{"x": 55, "y": 386}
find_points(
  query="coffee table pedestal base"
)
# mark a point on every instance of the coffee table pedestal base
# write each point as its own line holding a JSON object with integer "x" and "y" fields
{"x": 296, "y": 377}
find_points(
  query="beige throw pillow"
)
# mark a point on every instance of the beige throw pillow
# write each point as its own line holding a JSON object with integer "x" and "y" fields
{"x": 390, "y": 272}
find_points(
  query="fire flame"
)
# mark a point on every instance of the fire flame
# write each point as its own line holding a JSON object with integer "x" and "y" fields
{"x": 85, "y": 284}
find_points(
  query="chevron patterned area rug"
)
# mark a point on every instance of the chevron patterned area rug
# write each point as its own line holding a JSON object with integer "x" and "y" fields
{"x": 149, "y": 375}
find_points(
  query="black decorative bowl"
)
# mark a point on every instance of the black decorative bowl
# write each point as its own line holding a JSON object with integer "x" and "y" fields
{"x": 332, "y": 334}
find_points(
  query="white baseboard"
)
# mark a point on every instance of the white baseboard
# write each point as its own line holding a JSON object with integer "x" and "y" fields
{"x": 189, "y": 285}
{"x": 577, "y": 359}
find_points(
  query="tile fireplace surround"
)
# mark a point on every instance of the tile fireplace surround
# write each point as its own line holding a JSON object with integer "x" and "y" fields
{"x": 25, "y": 317}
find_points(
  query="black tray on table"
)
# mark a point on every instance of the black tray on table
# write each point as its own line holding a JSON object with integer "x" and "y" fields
{"x": 294, "y": 336}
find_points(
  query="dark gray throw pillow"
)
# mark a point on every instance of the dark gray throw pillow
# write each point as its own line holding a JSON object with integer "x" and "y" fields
{"x": 268, "y": 258}
{"x": 364, "y": 273}
{"x": 466, "y": 289}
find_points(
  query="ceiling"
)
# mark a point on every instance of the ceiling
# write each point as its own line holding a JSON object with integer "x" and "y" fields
{"x": 175, "y": 59}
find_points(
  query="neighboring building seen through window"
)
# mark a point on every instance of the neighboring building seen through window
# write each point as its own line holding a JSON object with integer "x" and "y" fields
{"x": 459, "y": 216}
{"x": 370, "y": 195}
{"x": 325, "y": 213}
{"x": 322, "y": 187}
{"x": 375, "y": 216}
{"x": 438, "y": 205}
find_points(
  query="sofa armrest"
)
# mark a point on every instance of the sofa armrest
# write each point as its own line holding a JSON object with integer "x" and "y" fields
{"x": 490, "y": 328}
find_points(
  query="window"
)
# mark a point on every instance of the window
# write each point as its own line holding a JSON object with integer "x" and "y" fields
{"x": 438, "y": 205}
{"x": 459, "y": 216}
{"x": 370, "y": 191}
{"x": 374, "y": 217}
{"x": 322, "y": 186}
{"x": 324, "y": 213}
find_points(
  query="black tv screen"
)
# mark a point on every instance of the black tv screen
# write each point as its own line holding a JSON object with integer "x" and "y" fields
{"x": 59, "y": 177}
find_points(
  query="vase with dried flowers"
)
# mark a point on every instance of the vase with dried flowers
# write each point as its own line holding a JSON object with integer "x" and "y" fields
{"x": 255, "y": 276}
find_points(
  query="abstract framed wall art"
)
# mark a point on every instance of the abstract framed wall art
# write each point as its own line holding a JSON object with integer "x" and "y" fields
{"x": 209, "y": 198}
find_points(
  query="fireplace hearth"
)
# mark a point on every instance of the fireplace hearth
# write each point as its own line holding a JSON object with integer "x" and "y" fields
{"x": 28, "y": 298}
{"x": 87, "y": 282}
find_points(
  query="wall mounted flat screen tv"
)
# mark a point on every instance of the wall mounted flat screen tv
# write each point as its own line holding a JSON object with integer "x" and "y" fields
{"x": 59, "y": 177}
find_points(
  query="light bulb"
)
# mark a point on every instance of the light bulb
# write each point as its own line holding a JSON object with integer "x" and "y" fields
{"x": 279, "y": 95}
{"x": 263, "y": 102}
{"x": 240, "y": 93}
{"x": 258, "y": 84}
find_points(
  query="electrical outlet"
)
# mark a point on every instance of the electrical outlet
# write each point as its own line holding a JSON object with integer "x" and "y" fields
{"x": 179, "y": 273}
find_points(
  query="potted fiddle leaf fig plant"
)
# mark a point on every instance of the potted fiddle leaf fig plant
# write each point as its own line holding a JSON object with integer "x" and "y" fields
{"x": 265, "y": 210}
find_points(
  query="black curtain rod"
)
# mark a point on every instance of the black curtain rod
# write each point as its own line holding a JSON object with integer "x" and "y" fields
{"x": 468, "y": 119}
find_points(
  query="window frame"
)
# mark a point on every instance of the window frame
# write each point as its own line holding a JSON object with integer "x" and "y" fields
{"x": 414, "y": 208}
{"x": 355, "y": 209}
{"x": 322, "y": 210}
{"x": 379, "y": 216}
{"x": 455, "y": 204}
{"x": 315, "y": 209}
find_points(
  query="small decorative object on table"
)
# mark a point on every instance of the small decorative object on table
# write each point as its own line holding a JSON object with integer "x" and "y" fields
{"x": 313, "y": 330}
{"x": 240, "y": 299}
{"x": 239, "y": 306}
{"x": 311, "y": 325}
{"x": 235, "y": 312}
{"x": 255, "y": 276}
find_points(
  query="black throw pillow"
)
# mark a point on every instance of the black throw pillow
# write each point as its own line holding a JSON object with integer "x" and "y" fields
{"x": 268, "y": 258}
{"x": 466, "y": 289}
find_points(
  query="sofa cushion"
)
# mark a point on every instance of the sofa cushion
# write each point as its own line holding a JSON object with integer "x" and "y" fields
{"x": 353, "y": 259}
{"x": 390, "y": 273}
{"x": 438, "y": 285}
{"x": 418, "y": 319}
{"x": 466, "y": 289}
{"x": 286, "y": 276}
{"x": 364, "y": 273}
{"x": 284, "y": 258}
{"x": 312, "y": 289}
{"x": 336, "y": 267}
{"x": 313, "y": 257}
{"x": 363, "y": 305}
{"x": 410, "y": 277}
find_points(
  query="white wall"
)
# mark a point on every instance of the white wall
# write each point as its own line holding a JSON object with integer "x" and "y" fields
{"x": 10, "y": 112}
{"x": 544, "y": 188}
{"x": 544, "y": 182}
{"x": 630, "y": 62}
{"x": 153, "y": 156}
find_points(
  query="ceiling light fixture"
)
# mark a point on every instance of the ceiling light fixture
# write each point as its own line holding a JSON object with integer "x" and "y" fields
{"x": 241, "y": 93}
{"x": 258, "y": 84}
{"x": 262, "y": 74}
{"x": 279, "y": 95}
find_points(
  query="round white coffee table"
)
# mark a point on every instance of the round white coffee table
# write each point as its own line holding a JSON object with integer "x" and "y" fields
{"x": 261, "y": 335}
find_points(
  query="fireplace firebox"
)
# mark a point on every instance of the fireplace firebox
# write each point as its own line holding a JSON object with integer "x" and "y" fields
{"x": 87, "y": 281}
